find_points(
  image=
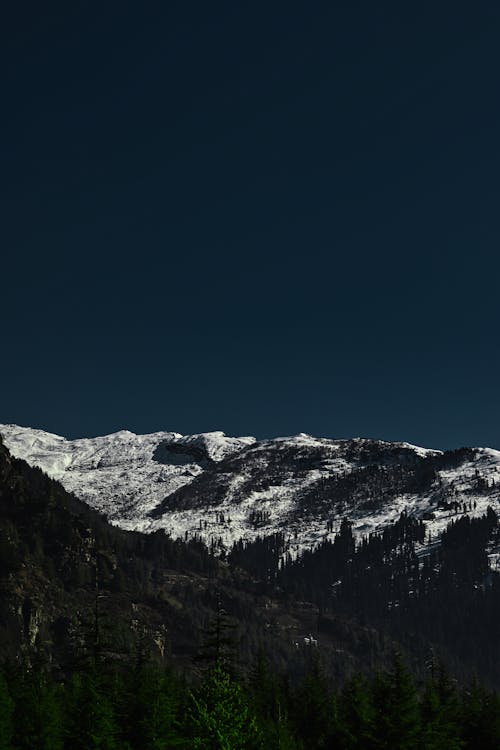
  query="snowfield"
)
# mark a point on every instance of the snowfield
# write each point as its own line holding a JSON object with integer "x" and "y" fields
{"x": 226, "y": 488}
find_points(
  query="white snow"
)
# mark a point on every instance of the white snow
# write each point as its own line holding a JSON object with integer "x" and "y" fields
{"x": 126, "y": 476}
{"x": 117, "y": 473}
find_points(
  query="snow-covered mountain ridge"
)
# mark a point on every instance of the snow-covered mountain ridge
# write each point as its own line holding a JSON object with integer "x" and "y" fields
{"x": 218, "y": 486}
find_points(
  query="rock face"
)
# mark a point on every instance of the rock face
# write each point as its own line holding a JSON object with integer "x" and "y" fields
{"x": 230, "y": 488}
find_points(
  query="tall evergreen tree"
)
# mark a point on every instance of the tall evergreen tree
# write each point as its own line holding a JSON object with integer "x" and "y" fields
{"x": 91, "y": 717}
{"x": 397, "y": 711}
{"x": 356, "y": 716}
{"x": 439, "y": 711}
{"x": 219, "y": 642}
{"x": 314, "y": 710}
{"x": 480, "y": 718}
{"x": 220, "y": 717}
{"x": 38, "y": 716}
{"x": 148, "y": 704}
{"x": 6, "y": 715}
{"x": 269, "y": 702}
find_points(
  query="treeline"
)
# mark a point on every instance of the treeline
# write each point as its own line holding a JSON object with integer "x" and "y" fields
{"x": 443, "y": 594}
{"x": 62, "y": 535}
{"x": 73, "y": 585}
{"x": 379, "y": 475}
{"x": 60, "y": 561}
{"x": 145, "y": 707}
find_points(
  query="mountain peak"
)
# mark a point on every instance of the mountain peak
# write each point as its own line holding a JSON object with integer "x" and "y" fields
{"x": 300, "y": 485}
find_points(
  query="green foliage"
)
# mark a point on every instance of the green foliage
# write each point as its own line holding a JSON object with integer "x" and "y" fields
{"x": 38, "y": 715}
{"x": 93, "y": 695}
{"x": 269, "y": 700}
{"x": 397, "y": 711}
{"x": 356, "y": 715}
{"x": 144, "y": 707}
{"x": 439, "y": 710}
{"x": 91, "y": 721}
{"x": 480, "y": 718}
{"x": 149, "y": 706}
{"x": 220, "y": 716}
{"x": 314, "y": 709}
{"x": 6, "y": 715}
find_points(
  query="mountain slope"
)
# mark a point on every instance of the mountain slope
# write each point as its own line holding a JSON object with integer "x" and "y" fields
{"x": 230, "y": 488}
{"x": 61, "y": 563}
{"x": 72, "y": 584}
{"x": 123, "y": 475}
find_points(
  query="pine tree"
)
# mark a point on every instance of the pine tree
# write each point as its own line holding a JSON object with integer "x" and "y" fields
{"x": 91, "y": 718}
{"x": 314, "y": 710}
{"x": 269, "y": 702}
{"x": 161, "y": 730}
{"x": 356, "y": 716}
{"x": 219, "y": 642}
{"x": 480, "y": 718}
{"x": 220, "y": 717}
{"x": 6, "y": 715}
{"x": 440, "y": 712}
{"x": 397, "y": 711}
{"x": 38, "y": 716}
{"x": 149, "y": 701}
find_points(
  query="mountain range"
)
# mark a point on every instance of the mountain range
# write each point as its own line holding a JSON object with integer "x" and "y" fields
{"x": 232, "y": 488}
{"x": 354, "y": 547}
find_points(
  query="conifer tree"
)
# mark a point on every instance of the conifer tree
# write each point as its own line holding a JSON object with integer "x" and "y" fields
{"x": 149, "y": 700}
{"x": 219, "y": 643}
{"x": 356, "y": 716}
{"x": 397, "y": 711}
{"x": 220, "y": 717}
{"x": 481, "y": 718}
{"x": 6, "y": 715}
{"x": 314, "y": 710}
{"x": 91, "y": 717}
{"x": 439, "y": 712}
{"x": 38, "y": 717}
{"x": 269, "y": 703}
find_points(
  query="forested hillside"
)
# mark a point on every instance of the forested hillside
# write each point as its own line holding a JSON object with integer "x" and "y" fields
{"x": 71, "y": 584}
{"x": 442, "y": 595}
{"x": 148, "y": 708}
{"x": 115, "y": 639}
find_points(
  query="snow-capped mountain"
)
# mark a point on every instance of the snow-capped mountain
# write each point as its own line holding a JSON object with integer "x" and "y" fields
{"x": 123, "y": 475}
{"x": 231, "y": 488}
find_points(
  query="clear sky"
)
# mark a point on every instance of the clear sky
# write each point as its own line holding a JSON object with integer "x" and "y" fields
{"x": 264, "y": 218}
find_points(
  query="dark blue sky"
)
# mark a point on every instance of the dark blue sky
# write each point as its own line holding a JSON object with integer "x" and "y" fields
{"x": 263, "y": 218}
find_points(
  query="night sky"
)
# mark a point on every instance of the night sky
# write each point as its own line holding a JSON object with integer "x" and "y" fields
{"x": 263, "y": 218}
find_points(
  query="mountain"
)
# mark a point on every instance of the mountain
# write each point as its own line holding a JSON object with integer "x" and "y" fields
{"x": 218, "y": 487}
{"x": 424, "y": 579}
{"x": 74, "y": 588}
